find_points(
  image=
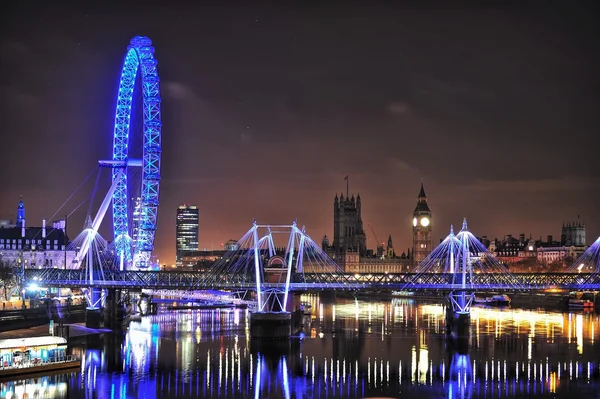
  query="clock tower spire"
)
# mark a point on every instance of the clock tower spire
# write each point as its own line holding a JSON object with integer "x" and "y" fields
{"x": 421, "y": 229}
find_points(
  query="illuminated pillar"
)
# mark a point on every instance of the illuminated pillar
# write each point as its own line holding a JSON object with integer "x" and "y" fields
{"x": 257, "y": 268}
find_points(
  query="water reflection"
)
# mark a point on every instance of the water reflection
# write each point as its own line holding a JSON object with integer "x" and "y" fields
{"x": 349, "y": 349}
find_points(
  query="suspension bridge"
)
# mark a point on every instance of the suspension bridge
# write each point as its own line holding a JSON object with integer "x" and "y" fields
{"x": 310, "y": 269}
{"x": 460, "y": 265}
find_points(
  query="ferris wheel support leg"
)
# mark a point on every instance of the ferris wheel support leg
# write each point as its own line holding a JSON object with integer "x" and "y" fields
{"x": 98, "y": 219}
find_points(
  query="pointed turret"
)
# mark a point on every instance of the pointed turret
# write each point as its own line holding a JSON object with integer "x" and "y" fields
{"x": 422, "y": 201}
{"x": 20, "y": 212}
{"x": 422, "y": 192}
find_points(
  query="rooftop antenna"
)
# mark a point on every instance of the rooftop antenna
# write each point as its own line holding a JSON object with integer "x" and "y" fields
{"x": 347, "y": 184}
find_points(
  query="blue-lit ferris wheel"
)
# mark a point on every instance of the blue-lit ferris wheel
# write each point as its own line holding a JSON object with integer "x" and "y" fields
{"x": 136, "y": 248}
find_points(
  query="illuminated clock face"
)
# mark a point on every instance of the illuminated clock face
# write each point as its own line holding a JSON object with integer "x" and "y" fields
{"x": 424, "y": 222}
{"x": 414, "y": 221}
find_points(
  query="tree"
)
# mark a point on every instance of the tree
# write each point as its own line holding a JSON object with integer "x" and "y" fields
{"x": 8, "y": 279}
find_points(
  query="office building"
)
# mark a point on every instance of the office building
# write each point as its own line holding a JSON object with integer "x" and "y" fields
{"x": 186, "y": 233}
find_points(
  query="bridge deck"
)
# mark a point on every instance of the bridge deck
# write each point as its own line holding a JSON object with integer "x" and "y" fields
{"x": 190, "y": 280}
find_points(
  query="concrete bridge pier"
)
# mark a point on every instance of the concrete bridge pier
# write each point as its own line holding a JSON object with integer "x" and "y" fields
{"x": 146, "y": 306}
{"x": 113, "y": 310}
{"x": 276, "y": 323}
{"x": 294, "y": 306}
{"x": 270, "y": 325}
{"x": 458, "y": 324}
{"x": 458, "y": 314}
{"x": 93, "y": 313}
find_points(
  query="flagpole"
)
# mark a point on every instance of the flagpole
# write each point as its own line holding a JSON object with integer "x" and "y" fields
{"x": 347, "y": 184}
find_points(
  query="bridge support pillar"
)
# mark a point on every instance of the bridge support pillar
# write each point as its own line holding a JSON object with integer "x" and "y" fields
{"x": 458, "y": 324}
{"x": 113, "y": 310}
{"x": 93, "y": 313}
{"x": 458, "y": 314}
{"x": 146, "y": 306}
{"x": 93, "y": 317}
{"x": 270, "y": 325}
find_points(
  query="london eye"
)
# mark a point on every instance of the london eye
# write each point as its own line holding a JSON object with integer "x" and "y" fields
{"x": 134, "y": 222}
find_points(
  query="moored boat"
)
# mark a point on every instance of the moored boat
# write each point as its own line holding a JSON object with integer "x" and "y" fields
{"x": 580, "y": 303}
{"x": 34, "y": 355}
{"x": 492, "y": 299}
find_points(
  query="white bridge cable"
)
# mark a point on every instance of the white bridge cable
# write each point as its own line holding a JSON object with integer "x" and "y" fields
{"x": 448, "y": 258}
{"x": 238, "y": 266}
{"x": 589, "y": 261}
{"x": 74, "y": 192}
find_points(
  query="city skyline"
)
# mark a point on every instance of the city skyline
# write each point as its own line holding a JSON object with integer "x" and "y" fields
{"x": 504, "y": 137}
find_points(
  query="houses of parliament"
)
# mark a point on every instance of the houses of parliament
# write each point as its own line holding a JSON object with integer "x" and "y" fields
{"x": 349, "y": 246}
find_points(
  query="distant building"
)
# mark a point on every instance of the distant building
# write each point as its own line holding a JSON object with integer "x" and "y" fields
{"x": 349, "y": 247}
{"x": 202, "y": 260}
{"x": 512, "y": 251}
{"x": 573, "y": 233}
{"x": 348, "y": 233}
{"x": 35, "y": 247}
{"x": 422, "y": 226}
{"x": 231, "y": 245}
{"x": 186, "y": 231}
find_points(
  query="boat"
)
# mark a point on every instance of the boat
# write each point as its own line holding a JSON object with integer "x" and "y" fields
{"x": 34, "y": 355}
{"x": 580, "y": 303}
{"x": 402, "y": 294}
{"x": 492, "y": 300}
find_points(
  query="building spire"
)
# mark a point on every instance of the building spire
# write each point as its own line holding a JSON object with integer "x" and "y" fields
{"x": 20, "y": 212}
{"x": 422, "y": 192}
{"x": 464, "y": 226}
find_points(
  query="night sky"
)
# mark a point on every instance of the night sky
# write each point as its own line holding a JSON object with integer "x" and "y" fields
{"x": 267, "y": 109}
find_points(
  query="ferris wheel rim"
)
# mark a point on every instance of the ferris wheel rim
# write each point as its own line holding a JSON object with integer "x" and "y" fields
{"x": 139, "y": 58}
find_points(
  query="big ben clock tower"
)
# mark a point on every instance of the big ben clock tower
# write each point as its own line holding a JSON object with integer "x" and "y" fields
{"x": 421, "y": 229}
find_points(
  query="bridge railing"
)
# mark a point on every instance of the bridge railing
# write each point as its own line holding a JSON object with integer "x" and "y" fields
{"x": 192, "y": 280}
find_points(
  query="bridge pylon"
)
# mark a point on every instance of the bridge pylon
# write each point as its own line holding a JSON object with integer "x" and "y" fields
{"x": 461, "y": 299}
{"x": 269, "y": 272}
{"x": 460, "y": 265}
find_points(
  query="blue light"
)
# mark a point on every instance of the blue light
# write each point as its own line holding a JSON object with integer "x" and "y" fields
{"x": 140, "y": 55}
{"x": 33, "y": 287}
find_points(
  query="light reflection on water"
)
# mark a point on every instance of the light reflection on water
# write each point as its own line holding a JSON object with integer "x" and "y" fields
{"x": 349, "y": 349}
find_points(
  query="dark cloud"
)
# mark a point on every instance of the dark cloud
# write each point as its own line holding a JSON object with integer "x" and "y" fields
{"x": 266, "y": 109}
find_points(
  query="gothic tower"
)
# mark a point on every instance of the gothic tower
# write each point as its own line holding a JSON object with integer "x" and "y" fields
{"x": 348, "y": 233}
{"x": 573, "y": 233}
{"x": 421, "y": 229}
{"x": 20, "y": 213}
{"x": 390, "y": 248}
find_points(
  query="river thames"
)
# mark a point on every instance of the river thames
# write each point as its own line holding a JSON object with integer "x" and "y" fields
{"x": 349, "y": 349}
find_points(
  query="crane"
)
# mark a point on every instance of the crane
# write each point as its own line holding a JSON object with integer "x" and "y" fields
{"x": 379, "y": 246}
